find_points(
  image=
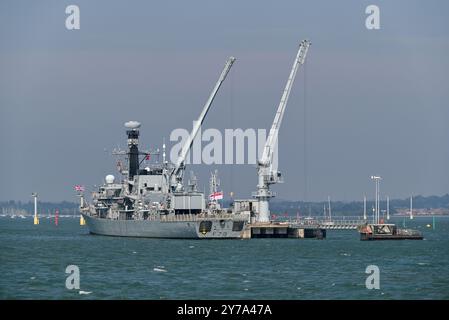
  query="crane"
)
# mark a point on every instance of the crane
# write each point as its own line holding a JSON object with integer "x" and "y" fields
{"x": 178, "y": 171}
{"x": 266, "y": 168}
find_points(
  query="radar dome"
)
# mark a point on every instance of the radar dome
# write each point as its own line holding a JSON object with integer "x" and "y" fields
{"x": 109, "y": 179}
{"x": 132, "y": 125}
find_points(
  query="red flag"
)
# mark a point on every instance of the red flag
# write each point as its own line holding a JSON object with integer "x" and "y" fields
{"x": 147, "y": 157}
{"x": 216, "y": 195}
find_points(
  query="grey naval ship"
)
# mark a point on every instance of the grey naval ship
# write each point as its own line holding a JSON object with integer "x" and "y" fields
{"x": 152, "y": 200}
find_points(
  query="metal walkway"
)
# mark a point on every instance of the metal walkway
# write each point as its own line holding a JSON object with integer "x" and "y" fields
{"x": 339, "y": 223}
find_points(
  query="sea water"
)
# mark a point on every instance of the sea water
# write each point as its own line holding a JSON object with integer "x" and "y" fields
{"x": 34, "y": 259}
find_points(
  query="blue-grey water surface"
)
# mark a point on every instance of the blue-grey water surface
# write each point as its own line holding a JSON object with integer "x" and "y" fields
{"x": 33, "y": 260}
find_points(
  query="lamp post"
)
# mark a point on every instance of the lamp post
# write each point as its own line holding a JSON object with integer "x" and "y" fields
{"x": 377, "y": 182}
{"x": 364, "y": 207}
{"x": 388, "y": 208}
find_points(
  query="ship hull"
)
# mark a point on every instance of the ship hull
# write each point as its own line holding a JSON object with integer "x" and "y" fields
{"x": 216, "y": 228}
{"x": 370, "y": 237}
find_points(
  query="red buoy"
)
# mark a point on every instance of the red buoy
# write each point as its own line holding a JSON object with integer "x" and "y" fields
{"x": 56, "y": 216}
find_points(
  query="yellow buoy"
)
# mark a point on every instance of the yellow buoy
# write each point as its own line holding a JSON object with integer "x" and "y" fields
{"x": 36, "y": 220}
{"x": 82, "y": 221}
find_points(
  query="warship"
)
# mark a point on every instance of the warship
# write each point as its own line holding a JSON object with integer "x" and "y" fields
{"x": 152, "y": 201}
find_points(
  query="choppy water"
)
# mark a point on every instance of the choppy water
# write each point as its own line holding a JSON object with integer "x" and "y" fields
{"x": 33, "y": 260}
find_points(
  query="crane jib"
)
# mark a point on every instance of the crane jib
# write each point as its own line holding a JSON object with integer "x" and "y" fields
{"x": 177, "y": 171}
{"x": 272, "y": 137}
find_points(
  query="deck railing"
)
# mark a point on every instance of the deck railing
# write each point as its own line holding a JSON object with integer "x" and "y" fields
{"x": 337, "y": 223}
{"x": 201, "y": 217}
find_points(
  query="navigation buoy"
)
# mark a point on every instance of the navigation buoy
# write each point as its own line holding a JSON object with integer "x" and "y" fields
{"x": 36, "y": 218}
{"x": 82, "y": 221}
{"x": 56, "y": 216}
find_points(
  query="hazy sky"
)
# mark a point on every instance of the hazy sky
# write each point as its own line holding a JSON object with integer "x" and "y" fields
{"x": 376, "y": 100}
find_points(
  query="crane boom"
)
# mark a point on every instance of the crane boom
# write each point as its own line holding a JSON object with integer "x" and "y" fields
{"x": 267, "y": 156}
{"x": 267, "y": 174}
{"x": 179, "y": 167}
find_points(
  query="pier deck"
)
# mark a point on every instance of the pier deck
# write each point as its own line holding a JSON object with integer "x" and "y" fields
{"x": 282, "y": 230}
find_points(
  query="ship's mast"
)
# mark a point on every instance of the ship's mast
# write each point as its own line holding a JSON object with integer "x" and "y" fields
{"x": 178, "y": 171}
{"x": 133, "y": 148}
{"x": 214, "y": 183}
{"x": 267, "y": 171}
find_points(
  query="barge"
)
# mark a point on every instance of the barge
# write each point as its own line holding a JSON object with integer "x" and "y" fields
{"x": 387, "y": 231}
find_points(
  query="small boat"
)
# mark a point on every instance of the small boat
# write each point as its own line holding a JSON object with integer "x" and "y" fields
{"x": 387, "y": 231}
